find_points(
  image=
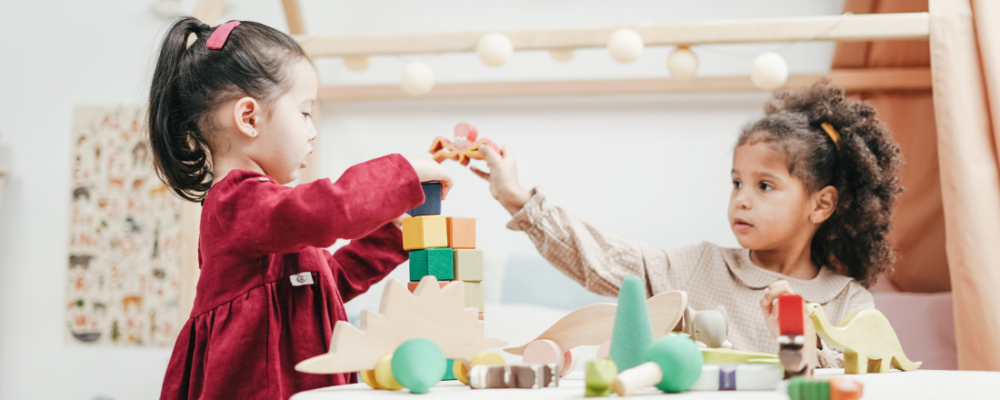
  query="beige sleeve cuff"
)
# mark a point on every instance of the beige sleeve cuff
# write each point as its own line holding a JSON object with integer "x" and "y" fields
{"x": 532, "y": 212}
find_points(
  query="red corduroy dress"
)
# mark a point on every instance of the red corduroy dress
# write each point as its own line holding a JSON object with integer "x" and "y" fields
{"x": 250, "y": 324}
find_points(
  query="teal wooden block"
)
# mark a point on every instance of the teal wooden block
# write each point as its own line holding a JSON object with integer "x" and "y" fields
{"x": 436, "y": 261}
{"x": 448, "y": 374}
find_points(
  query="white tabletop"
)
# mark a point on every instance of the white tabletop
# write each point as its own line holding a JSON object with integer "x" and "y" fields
{"x": 920, "y": 384}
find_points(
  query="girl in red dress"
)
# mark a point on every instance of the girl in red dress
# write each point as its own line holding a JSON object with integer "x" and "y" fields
{"x": 229, "y": 125}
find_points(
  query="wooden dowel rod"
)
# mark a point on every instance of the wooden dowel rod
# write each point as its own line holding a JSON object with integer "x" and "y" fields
{"x": 833, "y": 27}
{"x": 852, "y": 80}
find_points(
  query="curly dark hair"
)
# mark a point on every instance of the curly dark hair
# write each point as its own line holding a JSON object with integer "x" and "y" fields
{"x": 864, "y": 171}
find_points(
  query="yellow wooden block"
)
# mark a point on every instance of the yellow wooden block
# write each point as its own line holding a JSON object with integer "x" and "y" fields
{"x": 368, "y": 377}
{"x": 424, "y": 232}
{"x": 474, "y": 296}
{"x": 383, "y": 374}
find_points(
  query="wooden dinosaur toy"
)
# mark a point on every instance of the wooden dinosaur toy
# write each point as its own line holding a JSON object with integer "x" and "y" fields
{"x": 431, "y": 312}
{"x": 864, "y": 336}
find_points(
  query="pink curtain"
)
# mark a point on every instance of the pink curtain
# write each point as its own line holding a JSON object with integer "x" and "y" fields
{"x": 965, "y": 44}
{"x": 918, "y": 235}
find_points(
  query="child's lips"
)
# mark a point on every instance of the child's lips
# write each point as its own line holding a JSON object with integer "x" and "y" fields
{"x": 741, "y": 225}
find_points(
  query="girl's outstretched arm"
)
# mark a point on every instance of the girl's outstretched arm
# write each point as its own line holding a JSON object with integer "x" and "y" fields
{"x": 269, "y": 218}
{"x": 594, "y": 259}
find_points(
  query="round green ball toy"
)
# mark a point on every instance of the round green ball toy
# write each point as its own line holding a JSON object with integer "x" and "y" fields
{"x": 418, "y": 364}
{"x": 679, "y": 359}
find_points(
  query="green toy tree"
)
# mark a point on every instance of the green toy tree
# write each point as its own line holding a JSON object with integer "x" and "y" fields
{"x": 633, "y": 332}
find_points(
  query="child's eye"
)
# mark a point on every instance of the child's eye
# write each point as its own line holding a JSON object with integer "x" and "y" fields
{"x": 737, "y": 184}
{"x": 766, "y": 186}
{"x": 307, "y": 115}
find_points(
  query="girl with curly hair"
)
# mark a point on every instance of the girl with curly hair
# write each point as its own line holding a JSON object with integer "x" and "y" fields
{"x": 814, "y": 185}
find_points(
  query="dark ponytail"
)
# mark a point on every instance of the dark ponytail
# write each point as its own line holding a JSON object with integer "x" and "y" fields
{"x": 191, "y": 82}
{"x": 864, "y": 171}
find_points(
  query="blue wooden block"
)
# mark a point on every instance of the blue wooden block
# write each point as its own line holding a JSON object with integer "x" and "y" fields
{"x": 436, "y": 261}
{"x": 432, "y": 200}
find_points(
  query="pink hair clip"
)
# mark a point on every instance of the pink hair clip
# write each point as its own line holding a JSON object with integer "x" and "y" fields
{"x": 218, "y": 38}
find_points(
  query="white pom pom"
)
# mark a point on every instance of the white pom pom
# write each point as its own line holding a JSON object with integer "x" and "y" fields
{"x": 769, "y": 71}
{"x": 625, "y": 45}
{"x": 561, "y": 55}
{"x": 356, "y": 63}
{"x": 418, "y": 79}
{"x": 494, "y": 49}
{"x": 682, "y": 63}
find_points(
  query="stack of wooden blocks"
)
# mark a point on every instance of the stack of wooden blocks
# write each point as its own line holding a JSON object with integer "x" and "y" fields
{"x": 444, "y": 247}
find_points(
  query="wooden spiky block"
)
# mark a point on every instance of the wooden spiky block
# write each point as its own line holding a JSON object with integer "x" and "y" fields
{"x": 431, "y": 313}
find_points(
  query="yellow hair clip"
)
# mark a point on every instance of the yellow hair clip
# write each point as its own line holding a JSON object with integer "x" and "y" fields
{"x": 832, "y": 133}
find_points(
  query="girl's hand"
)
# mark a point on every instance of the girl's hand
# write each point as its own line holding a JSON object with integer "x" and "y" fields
{"x": 429, "y": 170}
{"x": 767, "y": 304}
{"x": 399, "y": 221}
{"x": 503, "y": 178}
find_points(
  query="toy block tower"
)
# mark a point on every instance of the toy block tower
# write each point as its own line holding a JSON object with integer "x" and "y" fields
{"x": 444, "y": 247}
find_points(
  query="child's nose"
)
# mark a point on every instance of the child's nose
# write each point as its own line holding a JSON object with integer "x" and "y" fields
{"x": 743, "y": 201}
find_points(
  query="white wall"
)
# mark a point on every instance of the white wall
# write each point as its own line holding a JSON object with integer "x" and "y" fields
{"x": 649, "y": 168}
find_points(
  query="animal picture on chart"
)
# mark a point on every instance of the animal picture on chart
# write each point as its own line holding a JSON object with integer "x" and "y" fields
{"x": 124, "y": 236}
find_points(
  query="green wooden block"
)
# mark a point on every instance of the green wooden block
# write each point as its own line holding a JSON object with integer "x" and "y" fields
{"x": 448, "y": 374}
{"x": 600, "y": 374}
{"x": 437, "y": 262}
{"x": 468, "y": 265}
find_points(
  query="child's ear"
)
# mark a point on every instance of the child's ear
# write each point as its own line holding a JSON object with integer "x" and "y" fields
{"x": 246, "y": 113}
{"x": 824, "y": 204}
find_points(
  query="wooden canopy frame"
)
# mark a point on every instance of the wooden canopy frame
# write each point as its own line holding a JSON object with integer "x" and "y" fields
{"x": 848, "y": 27}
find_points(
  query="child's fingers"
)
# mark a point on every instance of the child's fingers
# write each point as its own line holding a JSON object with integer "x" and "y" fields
{"x": 777, "y": 289}
{"x": 506, "y": 153}
{"x": 766, "y": 305}
{"x": 446, "y": 184}
{"x": 477, "y": 171}
{"x": 491, "y": 157}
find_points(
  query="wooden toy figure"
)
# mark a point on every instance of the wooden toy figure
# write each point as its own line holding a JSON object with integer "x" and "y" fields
{"x": 516, "y": 376}
{"x": 708, "y": 328}
{"x": 430, "y": 312}
{"x": 797, "y": 339}
{"x": 593, "y": 325}
{"x": 465, "y": 147}
{"x": 672, "y": 363}
{"x": 865, "y": 337}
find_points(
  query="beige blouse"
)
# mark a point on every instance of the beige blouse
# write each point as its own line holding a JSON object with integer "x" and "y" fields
{"x": 711, "y": 275}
